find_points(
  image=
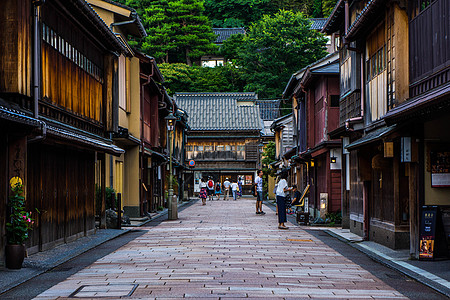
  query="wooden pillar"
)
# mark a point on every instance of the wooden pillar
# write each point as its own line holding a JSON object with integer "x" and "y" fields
{"x": 103, "y": 190}
{"x": 413, "y": 212}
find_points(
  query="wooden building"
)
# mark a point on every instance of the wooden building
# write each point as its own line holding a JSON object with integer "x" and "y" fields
{"x": 224, "y": 137}
{"x": 315, "y": 159}
{"x": 283, "y": 130}
{"x": 374, "y": 70}
{"x": 123, "y": 172}
{"x": 57, "y": 74}
{"x": 424, "y": 143}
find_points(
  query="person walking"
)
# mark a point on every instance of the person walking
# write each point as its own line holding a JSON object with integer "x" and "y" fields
{"x": 234, "y": 189}
{"x": 210, "y": 186}
{"x": 226, "y": 185}
{"x": 281, "y": 198}
{"x": 218, "y": 190}
{"x": 239, "y": 182}
{"x": 203, "y": 192}
{"x": 259, "y": 193}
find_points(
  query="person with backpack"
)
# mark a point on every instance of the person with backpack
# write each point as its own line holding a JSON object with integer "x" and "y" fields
{"x": 210, "y": 186}
{"x": 218, "y": 190}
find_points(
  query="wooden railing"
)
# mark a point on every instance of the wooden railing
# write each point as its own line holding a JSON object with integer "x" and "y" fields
{"x": 350, "y": 107}
{"x": 429, "y": 48}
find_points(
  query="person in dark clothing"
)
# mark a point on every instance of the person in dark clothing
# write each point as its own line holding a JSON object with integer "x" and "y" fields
{"x": 296, "y": 196}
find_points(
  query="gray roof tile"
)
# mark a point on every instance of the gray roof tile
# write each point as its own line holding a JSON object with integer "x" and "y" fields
{"x": 225, "y": 33}
{"x": 220, "y": 111}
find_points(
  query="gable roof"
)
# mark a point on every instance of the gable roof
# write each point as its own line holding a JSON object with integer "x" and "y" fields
{"x": 317, "y": 23}
{"x": 220, "y": 111}
{"x": 224, "y": 33}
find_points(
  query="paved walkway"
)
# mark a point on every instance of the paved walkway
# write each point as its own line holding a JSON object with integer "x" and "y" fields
{"x": 223, "y": 250}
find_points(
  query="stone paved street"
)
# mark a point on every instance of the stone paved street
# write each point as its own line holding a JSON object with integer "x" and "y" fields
{"x": 223, "y": 250}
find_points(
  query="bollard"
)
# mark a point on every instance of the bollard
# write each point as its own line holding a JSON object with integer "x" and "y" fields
{"x": 119, "y": 210}
{"x": 174, "y": 212}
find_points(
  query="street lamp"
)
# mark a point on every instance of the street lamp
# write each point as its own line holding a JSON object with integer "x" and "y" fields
{"x": 173, "y": 207}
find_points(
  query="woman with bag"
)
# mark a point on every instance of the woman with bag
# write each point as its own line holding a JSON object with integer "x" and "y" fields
{"x": 282, "y": 189}
{"x": 203, "y": 193}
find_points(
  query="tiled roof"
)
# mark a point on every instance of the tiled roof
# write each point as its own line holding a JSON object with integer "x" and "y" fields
{"x": 317, "y": 23}
{"x": 220, "y": 111}
{"x": 225, "y": 33}
{"x": 270, "y": 109}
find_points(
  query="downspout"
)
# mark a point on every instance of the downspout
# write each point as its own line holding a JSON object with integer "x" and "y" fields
{"x": 346, "y": 20}
{"x": 36, "y": 60}
{"x": 37, "y": 70}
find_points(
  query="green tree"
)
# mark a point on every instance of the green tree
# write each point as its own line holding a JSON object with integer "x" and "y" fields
{"x": 193, "y": 32}
{"x": 327, "y": 7}
{"x": 274, "y": 48}
{"x": 174, "y": 27}
{"x": 268, "y": 157}
{"x": 237, "y": 13}
{"x": 183, "y": 78}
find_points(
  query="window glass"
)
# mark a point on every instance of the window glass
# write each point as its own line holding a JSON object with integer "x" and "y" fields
{"x": 208, "y": 148}
{"x": 334, "y": 101}
{"x": 220, "y": 148}
{"x": 227, "y": 148}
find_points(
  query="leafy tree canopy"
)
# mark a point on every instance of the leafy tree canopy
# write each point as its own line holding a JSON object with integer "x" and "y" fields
{"x": 181, "y": 77}
{"x": 274, "y": 48}
{"x": 173, "y": 27}
{"x": 242, "y": 13}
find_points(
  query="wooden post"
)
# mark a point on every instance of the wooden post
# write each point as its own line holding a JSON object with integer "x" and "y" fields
{"x": 119, "y": 210}
{"x": 413, "y": 212}
{"x": 103, "y": 190}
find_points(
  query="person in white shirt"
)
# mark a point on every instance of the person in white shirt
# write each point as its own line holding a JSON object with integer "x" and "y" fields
{"x": 259, "y": 193}
{"x": 234, "y": 188}
{"x": 203, "y": 192}
{"x": 226, "y": 185}
{"x": 282, "y": 188}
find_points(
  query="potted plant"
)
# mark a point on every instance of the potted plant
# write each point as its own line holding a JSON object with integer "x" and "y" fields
{"x": 17, "y": 228}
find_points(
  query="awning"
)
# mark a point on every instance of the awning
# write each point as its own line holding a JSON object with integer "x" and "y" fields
{"x": 151, "y": 152}
{"x": 19, "y": 117}
{"x": 84, "y": 139}
{"x": 371, "y": 137}
{"x": 431, "y": 102}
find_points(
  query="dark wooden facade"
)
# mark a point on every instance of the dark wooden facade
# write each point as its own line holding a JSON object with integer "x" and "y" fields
{"x": 60, "y": 117}
{"x": 425, "y": 114}
{"x": 315, "y": 93}
{"x": 398, "y": 91}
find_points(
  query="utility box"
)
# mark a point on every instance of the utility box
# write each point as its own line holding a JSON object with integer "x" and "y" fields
{"x": 323, "y": 204}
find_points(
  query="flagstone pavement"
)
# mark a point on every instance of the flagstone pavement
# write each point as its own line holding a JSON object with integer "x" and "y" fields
{"x": 223, "y": 250}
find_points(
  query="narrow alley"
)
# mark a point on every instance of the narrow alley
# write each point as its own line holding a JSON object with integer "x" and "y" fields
{"x": 225, "y": 250}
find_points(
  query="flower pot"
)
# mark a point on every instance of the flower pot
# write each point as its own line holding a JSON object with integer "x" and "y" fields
{"x": 14, "y": 256}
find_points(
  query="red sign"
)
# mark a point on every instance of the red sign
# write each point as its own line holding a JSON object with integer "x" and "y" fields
{"x": 192, "y": 163}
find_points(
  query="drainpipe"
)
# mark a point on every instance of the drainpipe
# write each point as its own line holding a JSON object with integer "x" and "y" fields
{"x": 346, "y": 21}
{"x": 37, "y": 70}
{"x": 36, "y": 58}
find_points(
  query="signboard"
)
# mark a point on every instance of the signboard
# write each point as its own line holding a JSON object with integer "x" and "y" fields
{"x": 388, "y": 149}
{"x": 191, "y": 163}
{"x": 405, "y": 149}
{"x": 427, "y": 232}
{"x": 440, "y": 169}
